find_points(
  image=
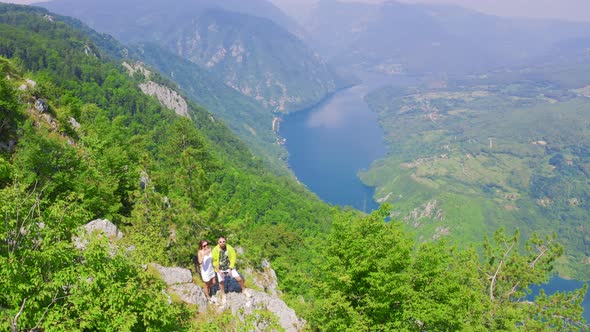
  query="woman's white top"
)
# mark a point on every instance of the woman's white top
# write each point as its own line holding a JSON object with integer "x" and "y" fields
{"x": 207, "y": 272}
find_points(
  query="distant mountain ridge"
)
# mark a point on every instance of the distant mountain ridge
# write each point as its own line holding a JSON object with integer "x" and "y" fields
{"x": 117, "y": 17}
{"x": 411, "y": 38}
{"x": 256, "y": 57}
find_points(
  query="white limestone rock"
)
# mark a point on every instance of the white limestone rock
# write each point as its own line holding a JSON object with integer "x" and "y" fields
{"x": 174, "y": 275}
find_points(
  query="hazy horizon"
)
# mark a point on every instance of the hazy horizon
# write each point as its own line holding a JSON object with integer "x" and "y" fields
{"x": 574, "y": 10}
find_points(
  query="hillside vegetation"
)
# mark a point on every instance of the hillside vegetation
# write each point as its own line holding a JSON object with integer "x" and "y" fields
{"x": 79, "y": 141}
{"x": 499, "y": 152}
{"x": 240, "y": 60}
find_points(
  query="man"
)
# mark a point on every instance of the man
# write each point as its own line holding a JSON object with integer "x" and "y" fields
{"x": 224, "y": 262}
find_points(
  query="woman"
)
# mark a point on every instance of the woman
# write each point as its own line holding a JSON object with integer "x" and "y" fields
{"x": 207, "y": 272}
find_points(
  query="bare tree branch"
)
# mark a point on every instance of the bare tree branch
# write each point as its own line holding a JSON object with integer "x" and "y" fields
{"x": 14, "y": 323}
{"x": 495, "y": 276}
{"x": 54, "y": 300}
{"x": 543, "y": 250}
{"x": 493, "y": 281}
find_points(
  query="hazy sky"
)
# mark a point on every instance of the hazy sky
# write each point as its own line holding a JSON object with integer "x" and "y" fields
{"x": 578, "y": 10}
{"x": 561, "y": 9}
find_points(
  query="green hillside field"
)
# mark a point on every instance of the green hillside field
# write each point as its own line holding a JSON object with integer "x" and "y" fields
{"x": 467, "y": 160}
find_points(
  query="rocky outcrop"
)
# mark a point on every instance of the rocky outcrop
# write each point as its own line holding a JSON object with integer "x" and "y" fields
{"x": 174, "y": 275}
{"x": 167, "y": 97}
{"x": 242, "y": 306}
{"x": 98, "y": 226}
{"x": 180, "y": 285}
{"x": 430, "y": 210}
{"x": 27, "y": 85}
{"x": 132, "y": 68}
{"x": 41, "y": 105}
{"x": 266, "y": 279}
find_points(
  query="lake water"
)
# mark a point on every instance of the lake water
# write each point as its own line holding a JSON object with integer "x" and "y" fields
{"x": 329, "y": 143}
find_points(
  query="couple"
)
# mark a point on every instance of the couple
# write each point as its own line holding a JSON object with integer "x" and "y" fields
{"x": 220, "y": 260}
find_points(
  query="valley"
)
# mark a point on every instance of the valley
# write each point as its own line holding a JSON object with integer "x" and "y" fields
{"x": 481, "y": 157}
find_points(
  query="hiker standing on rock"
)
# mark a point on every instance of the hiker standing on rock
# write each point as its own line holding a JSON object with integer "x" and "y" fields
{"x": 206, "y": 263}
{"x": 224, "y": 262}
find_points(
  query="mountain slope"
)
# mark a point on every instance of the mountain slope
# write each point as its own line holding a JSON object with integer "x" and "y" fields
{"x": 253, "y": 55}
{"x": 245, "y": 49}
{"x": 256, "y": 57}
{"x": 246, "y": 117}
{"x": 82, "y": 136}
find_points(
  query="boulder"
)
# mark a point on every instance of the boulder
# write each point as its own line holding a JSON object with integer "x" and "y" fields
{"x": 100, "y": 226}
{"x": 41, "y": 106}
{"x": 242, "y": 306}
{"x": 265, "y": 279}
{"x": 191, "y": 294}
{"x": 104, "y": 226}
{"x": 174, "y": 275}
{"x": 180, "y": 284}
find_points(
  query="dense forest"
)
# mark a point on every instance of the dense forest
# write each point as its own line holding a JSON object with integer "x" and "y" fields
{"x": 79, "y": 140}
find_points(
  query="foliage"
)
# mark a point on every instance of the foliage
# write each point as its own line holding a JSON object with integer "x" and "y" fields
{"x": 9, "y": 110}
{"x": 48, "y": 283}
{"x": 374, "y": 277}
{"x": 512, "y": 153}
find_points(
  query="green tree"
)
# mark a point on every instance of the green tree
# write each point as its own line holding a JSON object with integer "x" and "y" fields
{"x": 49, "y": 283}
{"x": 9, "y": 107}
{"x": 507, "y": 274}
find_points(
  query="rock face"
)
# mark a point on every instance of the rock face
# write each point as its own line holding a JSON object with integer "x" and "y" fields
{"x": 174, "y": 275}
{"x": 180, "y": 283}
{"x": 255, "y": 57}
{"x": 167, "y": 97}
{"x": 242, "y": 306}
{"x": 41, "y": 106}
{"x": 266, "y": 279}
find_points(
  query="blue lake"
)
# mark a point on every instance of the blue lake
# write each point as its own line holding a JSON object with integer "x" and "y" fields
{"x": 329, "y": 143}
